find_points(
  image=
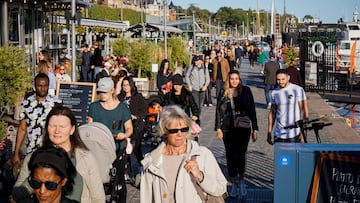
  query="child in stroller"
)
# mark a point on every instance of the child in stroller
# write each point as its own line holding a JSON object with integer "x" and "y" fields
{"x": 154, "y": 110}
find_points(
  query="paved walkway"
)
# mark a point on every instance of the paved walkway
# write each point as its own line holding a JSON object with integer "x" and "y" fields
{"x": 260, "y": 157}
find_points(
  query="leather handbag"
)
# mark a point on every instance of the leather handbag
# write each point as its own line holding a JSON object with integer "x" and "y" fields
{"x": 241, "y": 121}
{"x": 207, "y": 198}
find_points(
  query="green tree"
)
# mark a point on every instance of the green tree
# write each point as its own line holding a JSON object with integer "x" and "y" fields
{"x": 121, "y": 47}
{"x": 142, "y": 56}
{"x": 178, "y": 53}
{"x": 14, "y": 75}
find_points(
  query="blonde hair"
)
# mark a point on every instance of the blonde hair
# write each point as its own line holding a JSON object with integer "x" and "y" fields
{"x": 43, "y": 67}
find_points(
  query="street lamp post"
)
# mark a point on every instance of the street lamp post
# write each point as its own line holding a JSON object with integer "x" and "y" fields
{"x": 247, "y": 25}
{"x": 194, "y": 32}
{"x": 121, "y": 10}
{"x": 210, "y": 26}
{"x": 73, "y": 41}
{"x": 165, "y": 31}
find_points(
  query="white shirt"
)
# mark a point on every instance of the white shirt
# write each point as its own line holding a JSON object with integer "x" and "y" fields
{"x": 288, "y": 110}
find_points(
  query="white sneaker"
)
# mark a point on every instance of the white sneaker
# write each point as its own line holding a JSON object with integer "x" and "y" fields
{"x": 233, "y": 191}
{"x": 210, "y": 105}
{"x": 243, "y": 191}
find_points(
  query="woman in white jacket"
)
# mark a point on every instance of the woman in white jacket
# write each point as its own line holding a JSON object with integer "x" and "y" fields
{"x": 167, "y": 169}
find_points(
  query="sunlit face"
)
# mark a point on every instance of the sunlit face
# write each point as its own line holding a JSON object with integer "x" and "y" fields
{"x": 60, "y": 130}
{"x": 41, "y": 87}
{"x": 234, "y": 80}
{"x": 126, "y": 86}
{"x": 43, "y": 194}
{"x": 282, "y": 80}
{"x": 179, "y": 138}
{"x": 62, "y": 69}
{"x": 166, "y": 66}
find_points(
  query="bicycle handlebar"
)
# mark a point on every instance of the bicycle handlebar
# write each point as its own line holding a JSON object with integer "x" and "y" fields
{"x": 317, "y": 126}
{"x": 301, "y": 123}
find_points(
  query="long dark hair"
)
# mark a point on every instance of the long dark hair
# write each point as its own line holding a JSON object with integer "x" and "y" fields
{"x": 75, "y": 139}
{"x": 162, "y": 66}
{"x": 133, "y": 88}
{"x": 184, "y": 96}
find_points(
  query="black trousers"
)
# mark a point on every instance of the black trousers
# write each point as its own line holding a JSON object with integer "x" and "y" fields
{"x": 236, "y": 143}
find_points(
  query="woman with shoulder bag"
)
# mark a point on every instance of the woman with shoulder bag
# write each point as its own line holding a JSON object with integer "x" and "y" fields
{"x": 235, "y": 122}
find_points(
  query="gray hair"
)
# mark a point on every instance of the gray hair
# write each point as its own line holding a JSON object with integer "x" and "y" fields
{"x": 170, "y": 114}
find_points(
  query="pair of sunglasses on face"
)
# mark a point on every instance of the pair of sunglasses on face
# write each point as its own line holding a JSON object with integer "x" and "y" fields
{"x": 50, "y": 185}
{"x": 183, "y": 130}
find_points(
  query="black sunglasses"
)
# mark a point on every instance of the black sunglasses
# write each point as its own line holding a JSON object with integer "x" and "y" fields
{"x": 35, "y": 184}
{"x": 183, "y": 130}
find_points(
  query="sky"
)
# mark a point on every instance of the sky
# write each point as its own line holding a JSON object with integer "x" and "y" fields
{"x": 329, "y": 11}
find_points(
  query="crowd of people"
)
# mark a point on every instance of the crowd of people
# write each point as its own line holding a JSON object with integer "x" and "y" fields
{"x": 170, "y": 171}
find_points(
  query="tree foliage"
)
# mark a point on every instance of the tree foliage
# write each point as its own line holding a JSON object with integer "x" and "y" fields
{"x": 177, "y": 51}
{"x": 145, "y": 53}
{"x": 14, "y": 75}
{"x": 142, "y": 55}
{"x": 121, "y": 47}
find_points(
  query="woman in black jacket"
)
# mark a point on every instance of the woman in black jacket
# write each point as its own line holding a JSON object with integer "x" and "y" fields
{"x": 164, "y": 77}
{"x": 180, "y": 96}
{"x": 138, "y": 108}
{"x": 236, "y": 100}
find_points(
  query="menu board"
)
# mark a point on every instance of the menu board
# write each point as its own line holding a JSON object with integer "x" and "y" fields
{"x": 336, "y": 178}
{"x": 77, "y": 96}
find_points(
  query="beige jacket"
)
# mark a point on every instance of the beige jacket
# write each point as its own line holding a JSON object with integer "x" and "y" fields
{"x": 86, "y": 166}
{"x": 154, "y": 188}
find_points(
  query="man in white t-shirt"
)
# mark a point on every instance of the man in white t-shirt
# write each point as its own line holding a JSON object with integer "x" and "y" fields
{"x": 288, "y": 107}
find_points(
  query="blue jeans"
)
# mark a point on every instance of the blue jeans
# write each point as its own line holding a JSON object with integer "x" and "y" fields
{"x": 267, "y": 93}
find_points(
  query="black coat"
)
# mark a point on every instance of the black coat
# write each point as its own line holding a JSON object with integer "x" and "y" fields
{"x": 244, "y": 103}
{"x": 186, "y": 101}
{"x": 138, "y": 108}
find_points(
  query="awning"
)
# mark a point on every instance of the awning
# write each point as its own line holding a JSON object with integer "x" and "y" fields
{"x": 154, "y": 28}
{"x": 168, "y": 28}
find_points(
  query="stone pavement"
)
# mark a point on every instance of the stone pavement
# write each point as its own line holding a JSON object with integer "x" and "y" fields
{"x": 259, "y": 174}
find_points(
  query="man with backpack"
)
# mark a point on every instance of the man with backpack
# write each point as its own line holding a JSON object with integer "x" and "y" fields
{"x": 197, "y": 78}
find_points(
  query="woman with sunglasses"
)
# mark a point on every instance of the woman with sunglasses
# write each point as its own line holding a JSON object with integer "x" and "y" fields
{"x": 62, "y": 131}
{"x": 51, "y": 176}
{"x": 168, "y": 168}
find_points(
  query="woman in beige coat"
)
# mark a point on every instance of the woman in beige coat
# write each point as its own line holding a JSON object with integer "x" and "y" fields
{"x": 167, "y": 169}
{"x": 62, "y": 131}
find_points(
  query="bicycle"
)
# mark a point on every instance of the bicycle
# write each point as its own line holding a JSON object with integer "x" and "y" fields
{"x": 315, "y": 125}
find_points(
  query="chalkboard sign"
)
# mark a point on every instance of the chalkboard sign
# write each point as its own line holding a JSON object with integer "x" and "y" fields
{"x": 77, "y": 96}
{"x": 336, "y": 178}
